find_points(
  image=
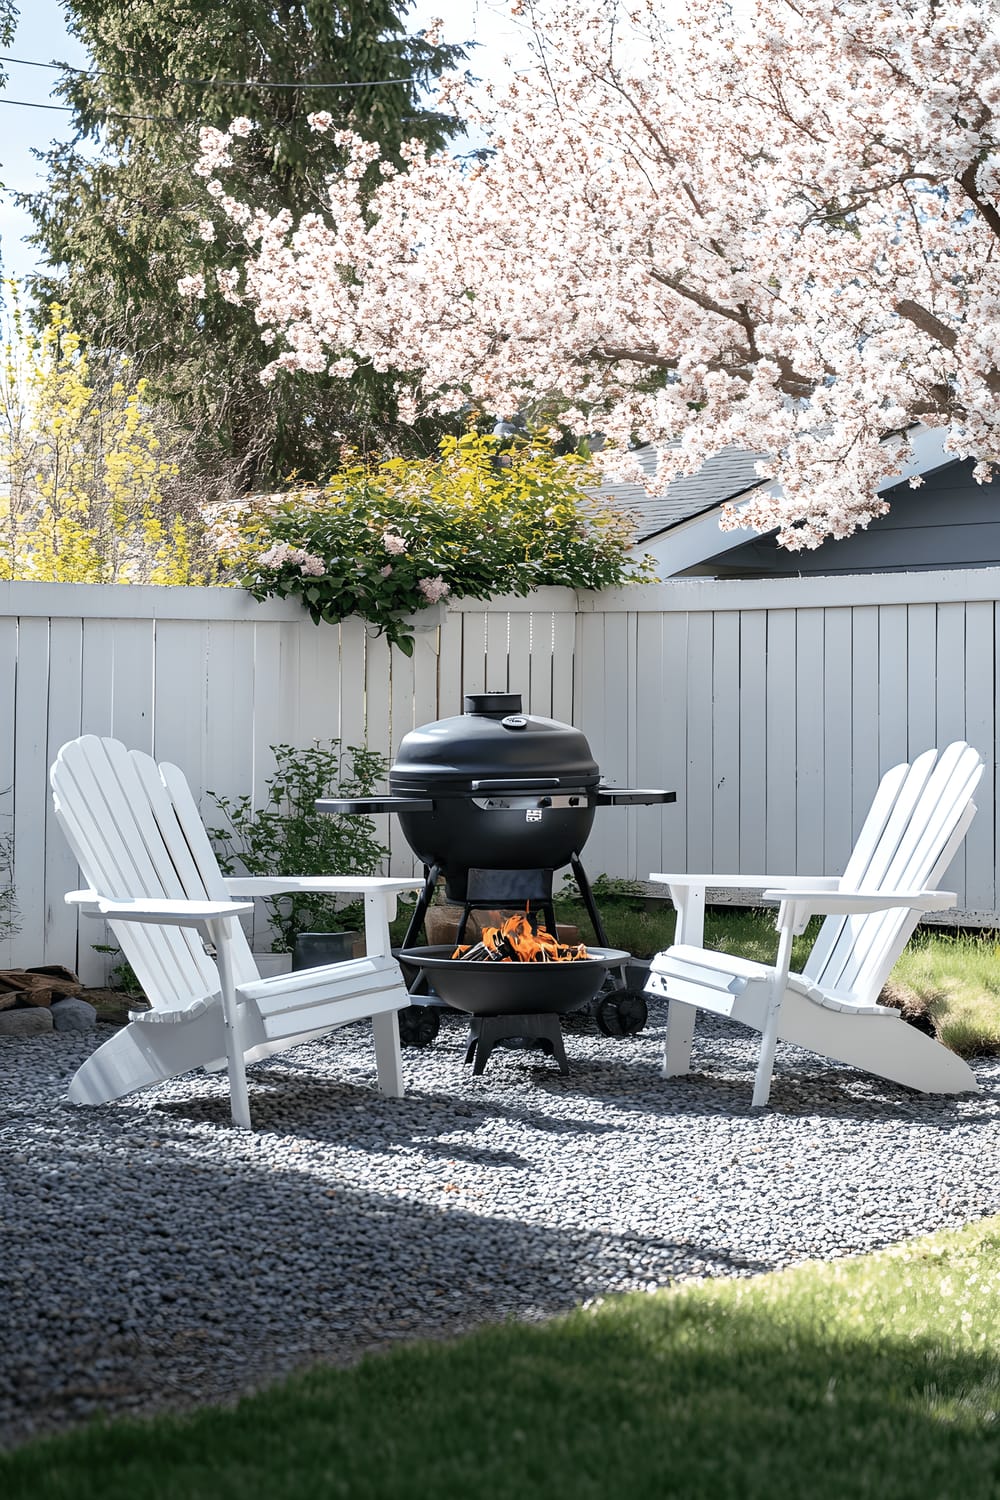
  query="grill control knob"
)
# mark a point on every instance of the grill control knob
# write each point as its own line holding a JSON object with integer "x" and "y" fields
{"x": 514, "y": 721}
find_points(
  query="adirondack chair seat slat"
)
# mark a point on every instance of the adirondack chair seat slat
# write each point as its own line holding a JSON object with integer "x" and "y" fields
{"x": 150, "y": 869}
{"x": 174, "y": 1014}
{"x": 919, "y": 816}
{"x": 744, "y": 980}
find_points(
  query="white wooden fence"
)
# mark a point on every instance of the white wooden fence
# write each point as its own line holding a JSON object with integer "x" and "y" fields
{"x": 771, "y": 707}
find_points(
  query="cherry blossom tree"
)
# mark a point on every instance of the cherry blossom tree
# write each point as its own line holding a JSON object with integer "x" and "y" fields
{"x": 779, "y": 231}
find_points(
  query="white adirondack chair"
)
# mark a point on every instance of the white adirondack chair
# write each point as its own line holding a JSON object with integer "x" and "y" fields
{"x": 917, "y": 821}
{"x": 152, "y": 873}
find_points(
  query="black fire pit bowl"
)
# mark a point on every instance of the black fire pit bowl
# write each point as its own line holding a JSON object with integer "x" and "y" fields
{"x": 499, "y": 989}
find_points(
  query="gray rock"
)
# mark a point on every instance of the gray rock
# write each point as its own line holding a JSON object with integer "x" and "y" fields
{"x": 31, "y": 1021}
{"x": 73, "y": 1014}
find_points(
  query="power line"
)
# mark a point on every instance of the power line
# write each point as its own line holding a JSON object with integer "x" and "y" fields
{"x": 167, "y": 119}
{"x": 214, "y": 83}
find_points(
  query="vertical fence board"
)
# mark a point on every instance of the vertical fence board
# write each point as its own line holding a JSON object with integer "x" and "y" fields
{"x": 947, "y": 692}
{"x": 727, "y": 728}
{"x": 540, "y": 664}
{"x": 341, "y": 675}
{"x": 519, "y": 657}
{"x": 699, "y": 780}
{"x": 669, "y": 751}
{"x": 866, "y": 764}
{"x": 31, "y": 745}
{"x": 8, "y": 678}
{"x": 781, "y": 802}
{"x": 893, "y": 734}
{"x": 982, "y": 844}
{"x": 752, "y": 855}
{"x": 810, "y": 854}
{"x": 132, "y": 683}
{"x": 838, "y": 730}
{"x": 60, "y": 867}
{"x": 497, "y": 656}
{"x": 473, "y": 653}
{"x": 97, "y": 677}
{"x": 563, "y": 668}
{"x": 653, "y": 716}
{"x": 180, "y": 708}
{"x": 921, "y": 676}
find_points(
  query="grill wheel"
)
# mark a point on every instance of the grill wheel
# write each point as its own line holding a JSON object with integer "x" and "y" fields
{"x": 622, "y": 1013}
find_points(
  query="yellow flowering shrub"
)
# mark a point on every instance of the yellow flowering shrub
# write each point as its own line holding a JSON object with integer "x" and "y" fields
{"x": 83, "y": 482}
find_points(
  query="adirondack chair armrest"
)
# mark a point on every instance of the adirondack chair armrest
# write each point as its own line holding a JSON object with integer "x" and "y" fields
{"x": 849, "y": 903}
{"x": 688, "y": 895}
{"x": 751, "y": 882}
{"x": 348, "y": 885}
{"x": 797, "y": 905}
{"x": 83, "y": 899}
{"x": 379, "y": 891}
{"x": 167, "y": 913}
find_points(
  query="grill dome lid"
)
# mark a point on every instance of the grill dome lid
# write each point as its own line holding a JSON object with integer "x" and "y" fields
{"x": 492, "y": 742}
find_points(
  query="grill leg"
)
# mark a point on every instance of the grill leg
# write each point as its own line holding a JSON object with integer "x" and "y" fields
{"x": 580, "y": 876}
{"x": 423, "y": 901}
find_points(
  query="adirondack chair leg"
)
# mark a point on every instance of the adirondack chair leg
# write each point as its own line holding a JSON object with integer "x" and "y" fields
{"x": 680, "y": 1035}
{"x": 221, "y": 935}
{"x": 145, "y": 1053}
{"x": 388, "y": 1058}
{"x": 769, "y": 1035}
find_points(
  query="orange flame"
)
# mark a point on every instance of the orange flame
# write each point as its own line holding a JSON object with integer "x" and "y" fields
{"x": 517, "y": 941}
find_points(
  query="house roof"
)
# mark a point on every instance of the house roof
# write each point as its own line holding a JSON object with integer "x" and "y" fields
{"x": 730, "y": 473}
{"x": 689, "y": 510}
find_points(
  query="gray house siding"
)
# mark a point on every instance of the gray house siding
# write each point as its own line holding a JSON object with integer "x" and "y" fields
{"x": 949, "y": 522}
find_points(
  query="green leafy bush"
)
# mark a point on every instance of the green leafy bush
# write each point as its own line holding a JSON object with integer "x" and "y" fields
{"x": 287, "y": 836}
{"x": 484, "y": 519}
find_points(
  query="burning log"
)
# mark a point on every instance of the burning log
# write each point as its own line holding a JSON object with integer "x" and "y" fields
{"x": 516, "y": 941}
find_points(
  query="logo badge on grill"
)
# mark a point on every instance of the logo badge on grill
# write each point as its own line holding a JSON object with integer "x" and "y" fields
{"x": 533, "y": 815}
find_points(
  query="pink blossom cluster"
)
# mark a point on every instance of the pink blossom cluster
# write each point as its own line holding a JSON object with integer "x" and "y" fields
{"x": 433, "y": 589}
{"x": 309, "y": 565}
{"x": 778, "y": 232}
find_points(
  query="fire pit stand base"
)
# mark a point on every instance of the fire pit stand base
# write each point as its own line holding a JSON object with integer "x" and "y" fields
{"x": 486, "y": 1031}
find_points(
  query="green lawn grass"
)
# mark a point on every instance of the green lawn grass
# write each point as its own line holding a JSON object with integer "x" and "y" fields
{"x": 872, "y": 1377}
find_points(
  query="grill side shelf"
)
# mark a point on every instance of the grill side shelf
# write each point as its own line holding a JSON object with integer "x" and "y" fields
{"x": 373, "y": 805}
{"x": 623, "y": 796}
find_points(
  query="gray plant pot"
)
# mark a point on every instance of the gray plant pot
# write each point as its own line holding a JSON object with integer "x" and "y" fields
{"x": 636, "y": 974}
{"x": 311, "y": 949}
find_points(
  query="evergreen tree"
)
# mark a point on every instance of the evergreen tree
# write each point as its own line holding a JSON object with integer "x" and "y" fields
{"x": 123, "y": 217}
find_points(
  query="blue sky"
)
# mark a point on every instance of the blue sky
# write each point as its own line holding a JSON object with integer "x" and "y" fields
{"x": 42, "y": 37}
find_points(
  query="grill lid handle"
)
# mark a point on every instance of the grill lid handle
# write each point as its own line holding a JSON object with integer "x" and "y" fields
{"x": 514, "y": 784}
{"x": 494, "y": 705}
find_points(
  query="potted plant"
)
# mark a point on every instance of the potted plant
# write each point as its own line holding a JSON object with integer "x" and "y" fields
{"x": 287, "y": 836}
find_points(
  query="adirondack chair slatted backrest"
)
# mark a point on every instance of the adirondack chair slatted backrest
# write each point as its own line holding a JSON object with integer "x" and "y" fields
{"x": 136, "y": 832}
{"x": 917, "y": 822}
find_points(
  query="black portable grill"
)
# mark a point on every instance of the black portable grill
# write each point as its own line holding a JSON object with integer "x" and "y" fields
{"x": 494, "y": 801}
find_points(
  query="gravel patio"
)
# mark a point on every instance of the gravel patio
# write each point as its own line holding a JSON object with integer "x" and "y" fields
{"x": 156, "y": 1257}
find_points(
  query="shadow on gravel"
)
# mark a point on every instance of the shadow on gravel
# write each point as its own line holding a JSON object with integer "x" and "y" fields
{"x": 186, "y": 1265}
